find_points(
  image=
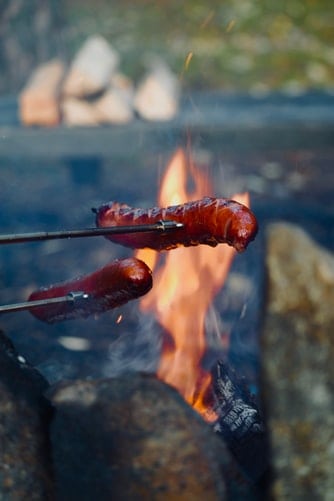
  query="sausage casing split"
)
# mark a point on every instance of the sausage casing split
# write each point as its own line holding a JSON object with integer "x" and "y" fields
{"x": 111, "y": 286}
{"x": 209, "y": 221}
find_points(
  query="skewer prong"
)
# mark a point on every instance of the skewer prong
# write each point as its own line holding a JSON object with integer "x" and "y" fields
{"x": 16, "y": 238}
{"x": 71, "y": 297}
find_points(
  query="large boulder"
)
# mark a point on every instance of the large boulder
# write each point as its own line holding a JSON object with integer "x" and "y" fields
{"x": 298, "y": 364}
{"x": 133, "y": 438}
{"x": 25, "y": 464}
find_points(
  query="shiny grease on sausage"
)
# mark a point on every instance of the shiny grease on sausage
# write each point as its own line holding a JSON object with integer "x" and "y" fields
{"x": 111, "y": 286}
{"x": 209, "y": 221}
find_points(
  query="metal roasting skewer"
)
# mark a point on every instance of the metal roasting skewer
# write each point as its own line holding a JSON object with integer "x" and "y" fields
{"x": 160, "y": 226}
{"x": 71, "y": 297}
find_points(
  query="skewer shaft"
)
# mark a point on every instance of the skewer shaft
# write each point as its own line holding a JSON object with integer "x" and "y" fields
{"x": 87, "y": 232}
{"x": 27, "y": 305}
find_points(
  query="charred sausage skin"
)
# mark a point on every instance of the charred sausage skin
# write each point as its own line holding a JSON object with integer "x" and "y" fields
{"x": 111, "y": 286}
{"x": 209, "y": 221}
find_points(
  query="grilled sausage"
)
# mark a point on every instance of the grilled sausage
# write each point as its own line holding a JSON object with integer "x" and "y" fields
{"x": 209, "y": 221}
{"x": 111, "y": 286}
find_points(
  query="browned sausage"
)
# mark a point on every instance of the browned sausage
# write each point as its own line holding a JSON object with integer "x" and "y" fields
{"x": 111, "y": 286}
{"x": 207, "y": 221}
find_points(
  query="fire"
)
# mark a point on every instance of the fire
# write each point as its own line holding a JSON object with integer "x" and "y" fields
{"x": 185, "y": 283}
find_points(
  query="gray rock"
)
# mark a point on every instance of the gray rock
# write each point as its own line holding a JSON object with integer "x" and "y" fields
{"x": 25, "y": 466}
{"x": 133, "y": 438}
{"x": 298, "y": 364}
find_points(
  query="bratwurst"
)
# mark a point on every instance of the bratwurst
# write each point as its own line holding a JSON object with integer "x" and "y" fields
{"x": 109, "y": 287}
{"x": 209, "y": 221}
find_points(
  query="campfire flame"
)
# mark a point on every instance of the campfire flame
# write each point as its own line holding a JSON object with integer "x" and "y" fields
{"x": 185, "y": 283}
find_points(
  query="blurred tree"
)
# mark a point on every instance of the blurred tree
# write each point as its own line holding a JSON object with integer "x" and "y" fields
{"x": 30, "y": 33}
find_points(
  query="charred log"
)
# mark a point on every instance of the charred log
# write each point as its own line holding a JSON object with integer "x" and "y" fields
{"x": 240, "y": 422}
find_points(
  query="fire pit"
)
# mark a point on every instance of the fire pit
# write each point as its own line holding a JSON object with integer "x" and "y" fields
{"x": 56, "y": 190}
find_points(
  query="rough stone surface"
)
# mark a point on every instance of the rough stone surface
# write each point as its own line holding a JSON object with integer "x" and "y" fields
{"x": 133, "y": 438}
{"x": 298, "y": 364}
{"x": 25, "y": 466}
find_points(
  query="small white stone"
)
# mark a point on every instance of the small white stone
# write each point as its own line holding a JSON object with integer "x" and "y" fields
{"x": 272, "y": 170}
{"x": 74, "y": 343}
{"x": 320, "y": 395}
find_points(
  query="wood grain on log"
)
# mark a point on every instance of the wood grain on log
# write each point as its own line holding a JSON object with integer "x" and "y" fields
{"x": 91, "y": 68}
{"x": 39, "y": 100}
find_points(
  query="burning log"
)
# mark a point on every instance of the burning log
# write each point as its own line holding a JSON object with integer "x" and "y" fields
{"x": 240, "y": 422}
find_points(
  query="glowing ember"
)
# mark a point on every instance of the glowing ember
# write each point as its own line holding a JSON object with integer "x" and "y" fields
{"x": 185, "y": 283}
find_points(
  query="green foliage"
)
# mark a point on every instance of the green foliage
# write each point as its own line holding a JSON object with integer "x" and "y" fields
{"x": 234, "y": 44}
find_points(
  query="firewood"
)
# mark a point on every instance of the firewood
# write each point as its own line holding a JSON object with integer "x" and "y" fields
{"x": 77, "y": 112}
{"x": 39, "y": 100}
{"x": 157, "y": 95}
{"x": 115, "y": 106}
{"x": 123, "y": 84}
{"x": 91, "y": 68}
{"x": 240, "y": 422}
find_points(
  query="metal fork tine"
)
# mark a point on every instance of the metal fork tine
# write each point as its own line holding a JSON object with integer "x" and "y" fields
{"x": 160, "y": 226}
{"x": 71, "y": 297}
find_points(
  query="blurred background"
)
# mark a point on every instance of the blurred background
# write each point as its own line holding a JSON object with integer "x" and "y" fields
{"x": 226, "y": 45}
{"x": 256, "y": 114}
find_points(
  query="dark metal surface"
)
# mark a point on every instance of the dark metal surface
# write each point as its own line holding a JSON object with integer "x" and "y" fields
{"x": 242, "y": 122}
{"x": 39, "y": 236}
{"x": 28, "y": 305}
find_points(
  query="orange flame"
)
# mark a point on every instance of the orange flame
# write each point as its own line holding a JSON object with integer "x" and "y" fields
{"x": 184, "y": 287}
